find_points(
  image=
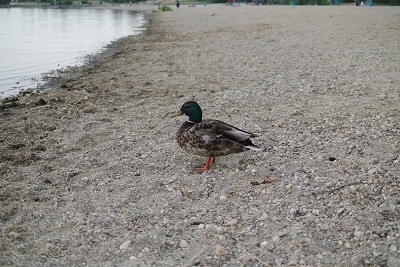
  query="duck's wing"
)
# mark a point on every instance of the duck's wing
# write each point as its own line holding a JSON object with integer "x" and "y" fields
{"x": 219, "y": 130}
{"x": 224, "y": 130}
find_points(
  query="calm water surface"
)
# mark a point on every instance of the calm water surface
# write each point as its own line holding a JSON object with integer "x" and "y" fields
{"x": 34, "y": 40}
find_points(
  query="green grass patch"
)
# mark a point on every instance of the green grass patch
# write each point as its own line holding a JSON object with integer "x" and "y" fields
{"x": 166, "y": 8}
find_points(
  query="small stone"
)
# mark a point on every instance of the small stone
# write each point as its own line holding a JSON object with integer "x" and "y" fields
{"x": 393, "y": 262}
{"x": 220, "y": 249}
{"x": 282, "y": 234}
{"x": 347, "y": 245}
{"x": 358, "y": 234}
{"x": 14, "y": 234}
{"x": 264, "y": 243}
{"x": 183, "y": 244}
{"x": 292, "y": 263}
{"x": 125, "y": 245}
{"x": 279, "y": 261}
{"x": 136, "y": 174}
{"x": 315, "y": 212}
{"x": 393, "y": 248}
{"x": 372, "y": 171}
{"x": 390, "y": 239}
{"x": 340, "y": 211}
{"x": 201, "y": 226}
{"x": 275, "y": 238}
{"x": 232, "y": 222}
{"x": 359, "y": 133}
{"x": 222, "y": 197}
{"x": 375, "y": 161}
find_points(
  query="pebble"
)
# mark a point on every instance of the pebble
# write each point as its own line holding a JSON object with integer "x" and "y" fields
{"x": 222, "y": 197}
{"x": 232, "y": 222}
{"x": 125, "y": 245}
{"x": 282, "y": 234}
{"x": 315, "y": 212}
{"x": 393, "y": 262}
{"x": 393, "y": 248}
{"x": 201, "y": 226}
{"x": 372, "y": 171}
{"x": 14, "y": 234}
{"x": 258, "y": 163}
{"x": 358, "y": 234}
{"x": 220, "y": 249}
{"x": 275, "y": 238}
{"x": 278, "y": 261}
{"x": 340, "y": 211}
{"x": 390, "y": 239}
{"x": 183, "y": 244}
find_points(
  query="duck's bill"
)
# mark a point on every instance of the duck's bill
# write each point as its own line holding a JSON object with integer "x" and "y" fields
{"x": 176, "y": 114}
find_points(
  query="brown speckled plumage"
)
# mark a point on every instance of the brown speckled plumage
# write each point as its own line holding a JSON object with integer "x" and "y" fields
{"x": 210, "y": 138}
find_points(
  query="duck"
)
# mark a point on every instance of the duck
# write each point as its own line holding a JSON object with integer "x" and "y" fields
{"x": 210, "y": 138}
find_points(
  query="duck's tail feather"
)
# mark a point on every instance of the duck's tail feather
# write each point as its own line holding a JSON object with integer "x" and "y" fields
{"x": 249, "y": 145}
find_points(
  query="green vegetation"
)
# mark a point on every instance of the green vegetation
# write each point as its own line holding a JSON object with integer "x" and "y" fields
{"x": 4, "y": 2}
{"x": 166, "y": 8}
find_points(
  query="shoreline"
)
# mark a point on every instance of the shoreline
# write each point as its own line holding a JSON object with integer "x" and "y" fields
{"x": 43, "y": 85}
{"x": 91, "y": 173}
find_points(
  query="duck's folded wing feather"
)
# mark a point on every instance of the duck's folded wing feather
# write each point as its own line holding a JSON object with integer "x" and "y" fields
{"x": 224, "y": 130}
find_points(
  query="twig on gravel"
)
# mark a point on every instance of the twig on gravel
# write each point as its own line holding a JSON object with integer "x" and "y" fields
{"x": 195, "y": 256}
{"x": 340, "y": 187}
{"x": 183, "y": 193}
{"x": 346, "y": 171}
{"x": 257, "y": 258}
{"x": 266, "y": 181}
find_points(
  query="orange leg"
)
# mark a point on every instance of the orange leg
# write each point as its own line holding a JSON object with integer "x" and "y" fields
{"x": 207, "y": 166}
{"x": 212, "y": 159}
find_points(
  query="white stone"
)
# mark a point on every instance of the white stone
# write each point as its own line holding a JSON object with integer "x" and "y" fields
{"x": 222, "y": 197}
{"x": 232, "y": 222}
{"x": 183, "y": 244}
{"x": 125, "y": 245}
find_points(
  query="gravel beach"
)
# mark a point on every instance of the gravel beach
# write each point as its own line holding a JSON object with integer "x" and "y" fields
{"x": 91, "y": 173}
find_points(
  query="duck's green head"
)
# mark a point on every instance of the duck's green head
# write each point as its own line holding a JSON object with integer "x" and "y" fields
{"x": 192, "y": 110}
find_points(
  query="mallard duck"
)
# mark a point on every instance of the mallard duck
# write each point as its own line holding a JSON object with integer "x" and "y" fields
{"x": 210, "y": 138}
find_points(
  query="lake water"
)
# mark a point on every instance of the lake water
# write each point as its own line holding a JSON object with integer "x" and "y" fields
{"x": 34, "y": 41}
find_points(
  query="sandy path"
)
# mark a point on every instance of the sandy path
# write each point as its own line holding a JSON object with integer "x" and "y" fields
{"x": 91, "y": 173}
